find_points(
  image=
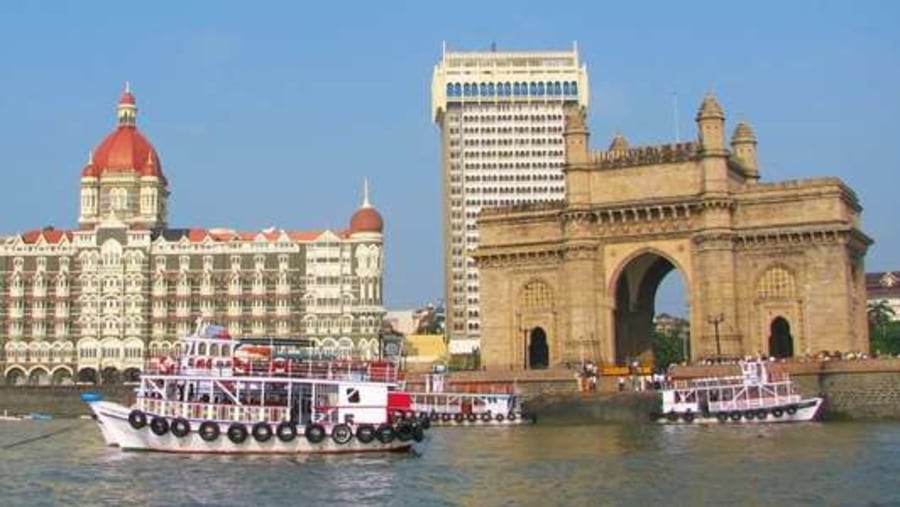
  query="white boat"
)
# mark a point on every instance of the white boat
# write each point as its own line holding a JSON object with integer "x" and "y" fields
{"x": 755, "y": 396}
{"x": 230, "y": 396}
{"x": 467, "y": 409}
{"x": 7, "y": 417}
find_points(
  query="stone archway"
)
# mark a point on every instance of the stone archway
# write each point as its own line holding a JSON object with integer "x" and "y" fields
{"x": 111, "y": 375}
{"x": 538, "y": 351}
{"x": 61, "y": 376}
{"x": 16, "y": 377}
{"x": 87, "y": 376}
{"x": 131, "y": 375}
{"x": 631, "y": 215}
{"x": 781, "y": 343}
{"x": 635, "y": 306}
{"x": 39, "y": 377}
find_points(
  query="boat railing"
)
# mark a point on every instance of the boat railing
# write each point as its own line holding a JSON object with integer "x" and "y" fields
{"x": 213, "y": 411}
{"x": 364, "y": 371}
{"x": 463, "y": 402}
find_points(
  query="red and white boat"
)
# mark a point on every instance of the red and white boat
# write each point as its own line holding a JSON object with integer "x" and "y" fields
{"x": 467, "y": 408}
{"x": 252, "y": 396}
{"x": 755, "y": 396}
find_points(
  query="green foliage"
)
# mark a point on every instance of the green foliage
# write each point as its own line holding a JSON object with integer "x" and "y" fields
{"x": 885, "y": 339}
{"x": 465, "y": 362}
{"x": 884, "y": 332}
{"x": 668, "y": 348}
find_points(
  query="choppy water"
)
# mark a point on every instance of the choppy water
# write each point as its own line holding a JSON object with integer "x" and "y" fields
{"x": 806, "y": 464}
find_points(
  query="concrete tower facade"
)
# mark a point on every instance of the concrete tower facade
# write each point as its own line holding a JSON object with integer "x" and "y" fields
{"x": 502, "y": 116}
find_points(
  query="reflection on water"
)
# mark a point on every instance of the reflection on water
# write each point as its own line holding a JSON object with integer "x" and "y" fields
{"x": 832, "y": 464}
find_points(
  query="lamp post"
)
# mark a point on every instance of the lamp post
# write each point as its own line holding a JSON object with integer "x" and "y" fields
{"x": 715, "y": 320}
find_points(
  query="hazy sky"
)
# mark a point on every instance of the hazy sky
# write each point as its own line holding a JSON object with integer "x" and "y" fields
{"x": 273, "y": 113}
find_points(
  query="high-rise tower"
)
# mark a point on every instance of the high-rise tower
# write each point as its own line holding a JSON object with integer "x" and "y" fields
{"x": 502, "y": 116}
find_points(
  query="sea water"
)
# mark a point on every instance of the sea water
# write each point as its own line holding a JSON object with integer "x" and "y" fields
{"x": 64, "y": 462}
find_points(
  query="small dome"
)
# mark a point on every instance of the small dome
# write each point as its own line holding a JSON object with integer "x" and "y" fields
{"x": 710, "y": 108}
{"x": 366, "y": 219}
{"x": 619, "y": 143}
{"x": 743, "y": 133}
{"x": 127, "y": 98}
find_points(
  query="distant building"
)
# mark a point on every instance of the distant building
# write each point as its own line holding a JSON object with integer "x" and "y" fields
{"x": 671, "y": 325}
{"x": 501, "y": 115}
{"x": 884, "y": 286}
{"x": 400, "y": 321}
{"x": 92, "y": 302}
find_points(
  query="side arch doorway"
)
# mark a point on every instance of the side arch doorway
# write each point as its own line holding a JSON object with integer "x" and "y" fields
{"x": 538, "y": 352}
{"x": 781, "y": 343}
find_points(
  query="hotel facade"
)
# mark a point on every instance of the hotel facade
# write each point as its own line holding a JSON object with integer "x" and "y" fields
{"x": 89, "y": 304}
{"x": 501, "y": 116}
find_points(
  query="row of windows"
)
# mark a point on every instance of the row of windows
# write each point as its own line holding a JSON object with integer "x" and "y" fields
{"x": 534, "y": 88}
{"x": 508, "y": 142}
{"x": 514, "y": 177}
{"x": 528, "y": 119}
{"x": 509, "y": 153}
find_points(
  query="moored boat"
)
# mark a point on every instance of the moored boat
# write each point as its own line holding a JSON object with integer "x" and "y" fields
{"x": 756, "y": 396}
{"x": 466, "y": 408}
{"x": 224, "y": 395}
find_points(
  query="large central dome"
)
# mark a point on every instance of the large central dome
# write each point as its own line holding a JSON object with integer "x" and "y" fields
{"x": 126, "y": 149}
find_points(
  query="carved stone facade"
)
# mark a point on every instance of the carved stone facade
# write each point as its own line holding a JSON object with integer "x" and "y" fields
{"x": 771, "y": 268}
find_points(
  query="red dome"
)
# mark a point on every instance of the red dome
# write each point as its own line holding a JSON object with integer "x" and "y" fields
{"x": 366, "y": 219}
{"x": 124, "y": 150}
{"x": 127, "y": 98}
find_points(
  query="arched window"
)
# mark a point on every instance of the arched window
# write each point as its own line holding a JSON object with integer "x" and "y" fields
{"x": 556, "y": 88}
{"x": 449, "y": 89}
{"x": 506, "y": 89}
{"x": 457, "y": 90}
{"x": 777, "y": 282}
{"x": 574, "y": 88}
{"x": 536, "y": 295}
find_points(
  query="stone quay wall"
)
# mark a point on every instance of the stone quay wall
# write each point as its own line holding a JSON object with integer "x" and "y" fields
{"x": 858, "y": 390}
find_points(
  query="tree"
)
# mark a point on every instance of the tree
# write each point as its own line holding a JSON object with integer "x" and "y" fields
{"x": 881, "y": 317}
{"x": 668, "y": 348}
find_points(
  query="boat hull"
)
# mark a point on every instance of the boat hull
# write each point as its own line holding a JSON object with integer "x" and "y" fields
{"x": 112, "y": 419}
{"x": 805, "y": 410}
{"x": 480, "y": 420}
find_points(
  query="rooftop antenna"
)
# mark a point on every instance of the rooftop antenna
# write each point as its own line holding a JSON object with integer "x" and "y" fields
{"x": 493, "y": 46}
{"x": 444, "y": 49}
{"x": 675, "y": 116}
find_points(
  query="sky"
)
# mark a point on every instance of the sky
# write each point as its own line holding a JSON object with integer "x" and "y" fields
{"x": 273, "y": 113}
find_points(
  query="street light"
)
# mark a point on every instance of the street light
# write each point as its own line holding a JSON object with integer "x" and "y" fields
{"x": 715, "y": 320}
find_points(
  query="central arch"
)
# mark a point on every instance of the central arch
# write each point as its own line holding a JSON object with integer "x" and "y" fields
{"x": 635, "y": 290}
{"x": 538, "y": 352}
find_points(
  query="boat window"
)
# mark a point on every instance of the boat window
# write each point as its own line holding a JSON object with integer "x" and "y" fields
{"x": 352, "y": 395}
{"x": 214, "y": 350}
{"x": 201, "y": 349}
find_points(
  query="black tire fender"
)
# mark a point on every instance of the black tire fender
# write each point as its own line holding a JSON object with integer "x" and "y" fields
{"x": 180, "y": 427}
{"x": 342, "y": 434}
{"x": 137, "y": 419}
{"x": 159, "y": 426}
{"x": 262, "y": 432}
{"x": 315, "y": 433}
{"x": 237, "y": 433}
{"x": 209, "y": 431}
{"x": 286, "y": 431}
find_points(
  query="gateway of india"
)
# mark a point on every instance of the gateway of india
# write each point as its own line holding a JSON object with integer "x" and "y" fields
{"x": 768, "y": 268}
